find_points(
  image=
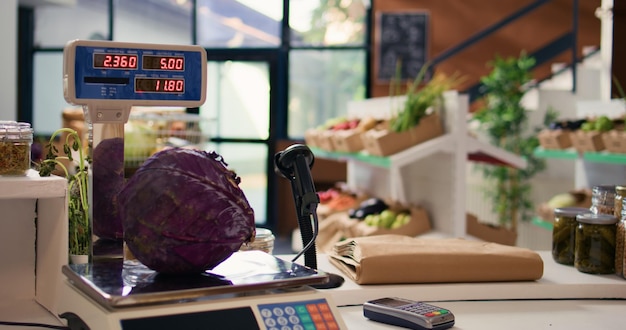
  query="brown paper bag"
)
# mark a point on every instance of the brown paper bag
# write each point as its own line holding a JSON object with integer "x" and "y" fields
{"x": 393, "y": 259}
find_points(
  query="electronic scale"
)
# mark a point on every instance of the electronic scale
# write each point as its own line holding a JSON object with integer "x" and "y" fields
{"x": 250, "y": 290}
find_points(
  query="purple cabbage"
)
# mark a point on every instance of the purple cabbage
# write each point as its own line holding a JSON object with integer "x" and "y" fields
{"x": 183, "y": 212}
{"x": 108, "y": 181}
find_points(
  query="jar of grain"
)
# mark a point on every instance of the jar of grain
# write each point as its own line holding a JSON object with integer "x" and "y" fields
{"x": 603, "y": 199}
{"x": 594, "y": 252}
{"x": 15, "y": 142}
{"x": 564, "y": 233}
{"x": 620, "y": 243}
{"x": 620, "y": 193}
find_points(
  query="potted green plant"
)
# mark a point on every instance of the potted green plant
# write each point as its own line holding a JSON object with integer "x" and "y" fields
{"x": 416, "y": 120}
{"x": 80, "y": 241}
{"x": 504, "y": 121}
{"x": 421, "y": 97}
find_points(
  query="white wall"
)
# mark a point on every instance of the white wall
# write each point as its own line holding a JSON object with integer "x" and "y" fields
{"x": 8, "y": 58}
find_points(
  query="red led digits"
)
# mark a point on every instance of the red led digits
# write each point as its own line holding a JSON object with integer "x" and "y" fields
{"x": 160, "y": 85}
{"x": 114, "y": 61}
{"x": 172, "y": 63}
{"x": 166, "y": 63}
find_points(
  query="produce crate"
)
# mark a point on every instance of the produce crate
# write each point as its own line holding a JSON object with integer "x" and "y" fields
{"x": 488, "y": 232}
{"x": 325, "y": 140}
{"x": 615, "y": 141}
{"x": 348, "y": 140}
{"x": 339, "y": 226}
{"x": 384, "y": 142}
{"x": 554, "y": 139}
{"x": 150, "y": 131}
{"x": 311, "y": 137}
{"x": 587, "y": 141}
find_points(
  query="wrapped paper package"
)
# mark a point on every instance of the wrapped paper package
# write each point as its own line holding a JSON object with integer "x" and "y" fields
{"x": 394, "y": 259}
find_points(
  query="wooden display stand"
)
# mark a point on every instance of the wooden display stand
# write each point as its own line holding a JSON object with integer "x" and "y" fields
{"x": 430, "y": 174}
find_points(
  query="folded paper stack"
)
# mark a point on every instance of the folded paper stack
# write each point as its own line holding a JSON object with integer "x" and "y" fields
{"x": 394, "y": 259}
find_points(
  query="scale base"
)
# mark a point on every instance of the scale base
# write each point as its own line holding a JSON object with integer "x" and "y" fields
{"x": 250, "y": 290}
{"x": 302, "y": 306}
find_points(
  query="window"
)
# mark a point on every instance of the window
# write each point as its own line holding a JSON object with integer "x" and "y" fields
{"x": 276, "y": 67}
{"x": 152, "y": 21}
{"x": 239, "y": 24}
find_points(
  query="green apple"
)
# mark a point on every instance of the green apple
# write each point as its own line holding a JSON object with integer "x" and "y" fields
{"x": 387, "y": 217}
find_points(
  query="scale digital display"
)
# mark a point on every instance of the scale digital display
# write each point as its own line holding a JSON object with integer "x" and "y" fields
{"x": 167, "y": 63}
{"x": 108, "y": 74}
{"x": 115, "y": 61}
{"x": 159, "y": 85}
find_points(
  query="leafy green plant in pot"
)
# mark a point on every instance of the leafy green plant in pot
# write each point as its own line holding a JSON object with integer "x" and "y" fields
{"x": 80, "y": 241}
{"x": 421, "y": 97}
{"x": 505, "y": 122}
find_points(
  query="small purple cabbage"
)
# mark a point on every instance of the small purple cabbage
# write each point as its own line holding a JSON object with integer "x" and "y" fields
{"x": 108, "y": 181}
{"x": 183, "y": 212}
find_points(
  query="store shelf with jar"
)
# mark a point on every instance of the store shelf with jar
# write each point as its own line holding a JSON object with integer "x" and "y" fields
{"x": 430, "y": 174}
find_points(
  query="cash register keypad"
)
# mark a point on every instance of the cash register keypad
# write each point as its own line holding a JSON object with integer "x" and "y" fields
{"x": 300, "y": 315}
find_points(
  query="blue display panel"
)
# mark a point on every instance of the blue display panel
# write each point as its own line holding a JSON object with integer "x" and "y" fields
{"x": 104, "y": 73}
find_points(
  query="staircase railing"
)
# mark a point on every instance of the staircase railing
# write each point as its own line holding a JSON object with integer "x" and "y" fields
{"x": 541, "y": 56}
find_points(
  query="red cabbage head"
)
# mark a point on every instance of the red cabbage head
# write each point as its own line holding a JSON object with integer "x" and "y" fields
{"x": 183, "y": 212}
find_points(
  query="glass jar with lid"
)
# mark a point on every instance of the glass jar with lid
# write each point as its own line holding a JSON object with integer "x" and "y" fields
{"x": 263, "y": 241}
{"x": 564, "y": 233}
{"x": 620, "y": 243}
{"x": 603, "y": 199}
{"x": 595, "y": 243}
{"x": 16, "y": 139}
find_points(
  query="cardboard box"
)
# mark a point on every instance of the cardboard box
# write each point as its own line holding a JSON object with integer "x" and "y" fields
{"x": 311, "y": 137}
{"x": 615, "y": 141}
{"x": 384, "y": 142}
{"x": 325, "y": 140}
{"x": 340, "y": 226}
{"x": 582, "y": 197}
{"x": 348, "y": 140}
{"x": 587, "y": 141}
{"x": 554, "y": 139}
{"x": 489, "y": 232}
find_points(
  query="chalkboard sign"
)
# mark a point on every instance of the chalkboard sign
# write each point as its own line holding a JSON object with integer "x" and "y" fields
{"x": 401, "y": 37}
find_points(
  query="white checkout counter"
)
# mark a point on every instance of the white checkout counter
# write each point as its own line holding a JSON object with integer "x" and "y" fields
{"x": 562, "y": 299}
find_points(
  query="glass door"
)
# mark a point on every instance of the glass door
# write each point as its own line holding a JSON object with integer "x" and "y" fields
{"x": 237, "y": 112}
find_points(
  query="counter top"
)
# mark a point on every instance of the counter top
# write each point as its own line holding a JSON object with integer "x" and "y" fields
{"x": 516, "y": 315}
{"x": 562, "y": 299}
{"x": 558, "y": 282}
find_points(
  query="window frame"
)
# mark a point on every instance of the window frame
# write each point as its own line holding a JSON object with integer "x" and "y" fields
{"x": 277, "y": 58}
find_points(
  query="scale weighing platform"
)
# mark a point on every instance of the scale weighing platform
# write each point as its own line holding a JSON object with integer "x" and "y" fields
{"x": 249, "y": 290}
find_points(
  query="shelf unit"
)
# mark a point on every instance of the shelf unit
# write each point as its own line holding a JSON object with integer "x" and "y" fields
{"x": 596, "y": 157}
{"x": 33, "y": 238}
{"x": 430, "y": 174}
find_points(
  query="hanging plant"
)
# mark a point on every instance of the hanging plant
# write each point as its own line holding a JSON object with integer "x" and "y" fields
{"x": 78, "y": 204}
{"x": 505, "y": 122}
